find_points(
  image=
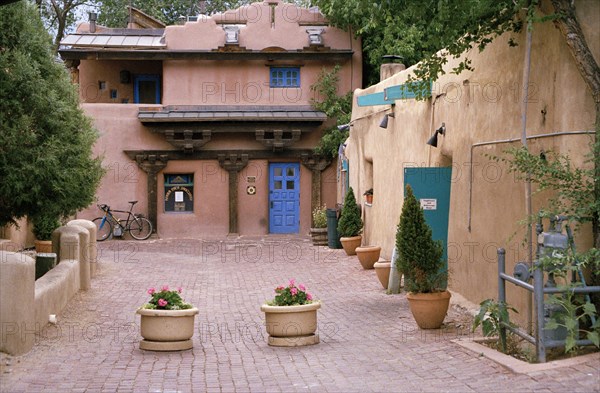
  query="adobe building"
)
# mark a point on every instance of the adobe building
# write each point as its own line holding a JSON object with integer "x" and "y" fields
{"x": 209, "y": 124}
{"x": 473, "y": 116}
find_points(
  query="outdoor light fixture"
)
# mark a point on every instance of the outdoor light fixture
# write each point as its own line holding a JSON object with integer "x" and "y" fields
{"x": 343, "y": 127}
{"x": 434, "y": 139}
{"x": 232, "y": 34}
{"x": 384, "y": 121}
{"x": 314, "y": 36}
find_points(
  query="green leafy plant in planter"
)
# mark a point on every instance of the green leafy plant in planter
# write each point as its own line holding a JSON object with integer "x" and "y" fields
{"x": 319, "y": 215}
{"x": 420, "y": 260}
{"x": 44, "y": 225}
{"x": 350, "y": 224}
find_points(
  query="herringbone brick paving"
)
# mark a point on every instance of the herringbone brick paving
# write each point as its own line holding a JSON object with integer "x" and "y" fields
{"x": 369, "y": 341}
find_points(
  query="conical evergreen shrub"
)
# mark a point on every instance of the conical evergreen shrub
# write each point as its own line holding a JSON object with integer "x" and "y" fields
{"x": 350, "y": 223}
{"x": 419, "y": 257}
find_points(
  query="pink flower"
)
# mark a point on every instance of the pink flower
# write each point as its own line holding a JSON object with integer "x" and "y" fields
{"x": 302, "y": 287}
{"x": 308, "y": 296}
{"x": 164, "y": 288}
{"x": 162, "y": 302}
{"x": 292, "y": 283}
{"x": 151, "y": 291}
{"x": 294, "y": 291}
{"x": 179, "y": 289}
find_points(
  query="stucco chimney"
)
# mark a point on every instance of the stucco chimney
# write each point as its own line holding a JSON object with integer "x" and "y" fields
{"x": 389, "y": 68}
{"x": 93, "y": 17}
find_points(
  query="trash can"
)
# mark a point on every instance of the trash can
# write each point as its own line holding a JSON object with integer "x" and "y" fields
{"x": 44, "y": 262}
{"x": 333, "y": 240}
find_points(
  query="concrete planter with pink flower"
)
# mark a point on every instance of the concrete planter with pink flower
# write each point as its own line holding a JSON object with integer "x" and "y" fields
{"x": 291, "y": 318}
{"x": 166, "y": 322}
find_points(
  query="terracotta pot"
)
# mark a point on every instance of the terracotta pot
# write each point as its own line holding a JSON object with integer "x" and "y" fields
{"x": 350, "y": 243}
{"x": 291, "y": 326}
{"x": 368, "y": 255}
{"x": 429, "y": 309}
{"x": 43, "y": 246}
{"x": 383, "y": 272}
{"x": 167, "y": 330}
{"x": 319, "y": 236}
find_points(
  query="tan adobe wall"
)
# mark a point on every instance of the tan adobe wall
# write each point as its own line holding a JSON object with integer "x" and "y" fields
{"x": 479, "y": 106}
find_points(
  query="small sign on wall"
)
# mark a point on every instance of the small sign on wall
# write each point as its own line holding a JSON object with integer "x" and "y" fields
{"x": 428, "y": 204}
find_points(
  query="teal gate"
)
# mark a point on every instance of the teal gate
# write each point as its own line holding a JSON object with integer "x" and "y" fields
{"x": 431, "y": 187}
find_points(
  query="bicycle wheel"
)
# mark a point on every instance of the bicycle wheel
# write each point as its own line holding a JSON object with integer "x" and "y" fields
{"x": 104, "y": 228}
{"x": 140, "y": 228}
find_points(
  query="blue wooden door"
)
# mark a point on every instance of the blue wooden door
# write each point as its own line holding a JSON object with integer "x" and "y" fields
{"x": 284, "y": 197}
{"x": 431, "y": 187}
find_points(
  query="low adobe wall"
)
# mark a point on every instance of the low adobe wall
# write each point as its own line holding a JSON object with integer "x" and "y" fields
{"x": 26, "y": 304}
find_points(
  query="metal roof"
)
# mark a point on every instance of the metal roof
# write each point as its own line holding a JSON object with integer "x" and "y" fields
{"x": 230, "y": 113}
{"x": 140, "y": 41}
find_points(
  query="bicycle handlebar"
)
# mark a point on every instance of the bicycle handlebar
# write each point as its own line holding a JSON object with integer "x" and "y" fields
{"x": 103, "y": 207}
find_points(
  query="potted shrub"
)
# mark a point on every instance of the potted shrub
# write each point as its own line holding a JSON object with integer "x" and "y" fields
{"x": 291, "y": 317}
{"x": 420, "y": 260}
{"x": 369, "y": 196}
{"x": 350, "y": 224}
{"x": 43, "y": 226}
{"x": 167, "y": 322}
{"x": 318, "y": 232}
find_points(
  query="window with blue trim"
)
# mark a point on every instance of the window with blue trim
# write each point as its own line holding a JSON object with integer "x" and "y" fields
{"x": 146, "y": 89}
{"x": 285, "y": 77}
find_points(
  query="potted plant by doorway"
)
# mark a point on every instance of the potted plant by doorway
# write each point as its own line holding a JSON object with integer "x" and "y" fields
{"x": 43, "y": 226}
{"x": 350, "y": 224}
{"x": 420, "y": 260}
{"x": 318, "y": 232}
{"x": 291, "y": 317}
{"x": 369, "y": 196}
{"x": 167, "y": 322}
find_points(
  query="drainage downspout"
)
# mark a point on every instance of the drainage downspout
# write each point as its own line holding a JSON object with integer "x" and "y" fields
{"x": 528, "y": 207}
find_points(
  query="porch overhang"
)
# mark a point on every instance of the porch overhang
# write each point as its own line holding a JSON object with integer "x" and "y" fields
{"x": 188, "y": 128}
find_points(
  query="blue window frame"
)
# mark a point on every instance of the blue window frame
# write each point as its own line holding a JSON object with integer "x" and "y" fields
{"x": 146, "y": 89}
{"x": 285, "y": 77}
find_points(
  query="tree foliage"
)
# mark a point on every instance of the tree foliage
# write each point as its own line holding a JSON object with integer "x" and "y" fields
{"x": 338, "y": 107}
{"x": 45, "y": 141}
{"x": 417, "y": 30}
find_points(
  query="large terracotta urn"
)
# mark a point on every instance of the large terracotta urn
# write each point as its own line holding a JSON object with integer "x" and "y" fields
{"x": 429, "y": 309}
{"x": 167, "y": 330}
{"x": 350, "y": 243}
{"x": 368, "y": 255}
{"x": 382, "y": 269}
{"x": 291, "y": 326}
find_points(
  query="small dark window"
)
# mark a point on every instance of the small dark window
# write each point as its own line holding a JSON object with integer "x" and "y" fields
{"x": 285, "y": 77}
{"x": 179, "y": 193}
{"x": 146, "y": 89}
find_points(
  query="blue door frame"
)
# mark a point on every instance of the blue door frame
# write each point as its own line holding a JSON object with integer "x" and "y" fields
{"x": 284, "y": 197}
{"x": 431, "y": 187}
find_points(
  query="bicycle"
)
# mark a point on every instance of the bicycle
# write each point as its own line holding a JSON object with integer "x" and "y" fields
{"x": 107, "y": 226}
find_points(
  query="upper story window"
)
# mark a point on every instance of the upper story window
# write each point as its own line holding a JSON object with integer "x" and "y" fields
{"x": 146, "y": 89}
{"x": 285, "y": 77}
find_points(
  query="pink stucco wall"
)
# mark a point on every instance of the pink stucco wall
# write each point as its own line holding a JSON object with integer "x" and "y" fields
{"x": 268, "y": 26}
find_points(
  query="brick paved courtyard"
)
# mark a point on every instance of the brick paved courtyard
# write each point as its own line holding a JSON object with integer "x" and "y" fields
{"x": 369, "y": 341}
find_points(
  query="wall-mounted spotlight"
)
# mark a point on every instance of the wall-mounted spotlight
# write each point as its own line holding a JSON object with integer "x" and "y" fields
{"x": 434, "y": 139}
{"x": 343, "y": 127}
{"x": 384, "y": 121}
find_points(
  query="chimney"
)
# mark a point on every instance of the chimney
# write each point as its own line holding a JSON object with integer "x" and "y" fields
{"x": 389, "y": 67}
{"x": 93, "y": 17}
